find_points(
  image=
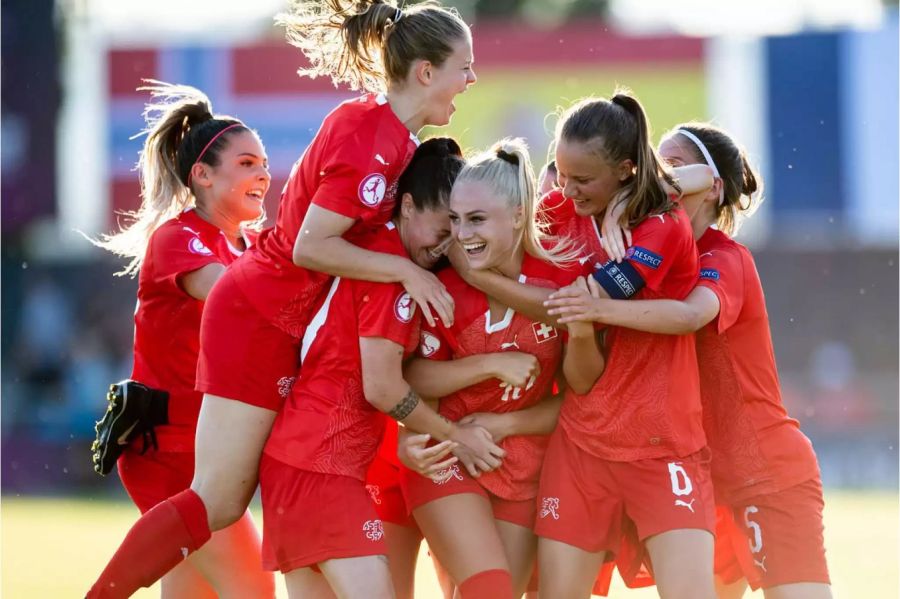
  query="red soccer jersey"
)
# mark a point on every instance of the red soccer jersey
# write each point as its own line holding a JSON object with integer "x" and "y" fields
{"x": 647, "y": 402}
{"x": 167, "y": 319}
{"x": 757, "y": 448}
{"x": 327, "y": 425}
{"x": 351, "y": 167}
{"x": 558, "y": 212}
{"x": 473, "y": 333}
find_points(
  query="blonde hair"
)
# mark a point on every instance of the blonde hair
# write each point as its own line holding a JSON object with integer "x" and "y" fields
{"x": 506, "y": 169}
{"x": 369, "y": 43}
{"x": 180, "y": 126}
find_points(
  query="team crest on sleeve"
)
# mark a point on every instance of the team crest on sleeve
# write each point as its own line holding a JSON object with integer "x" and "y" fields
{"x": 196, "y": 247}
{"x": 373, "y": 530}
{"x": 543, "y": 331}
{"x": 372, "y": 189}
{"x": 404, "y": 308}
{"x": 429, "y": 344}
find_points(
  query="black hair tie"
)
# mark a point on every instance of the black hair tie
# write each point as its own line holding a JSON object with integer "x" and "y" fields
{"x": 506, "y": 156}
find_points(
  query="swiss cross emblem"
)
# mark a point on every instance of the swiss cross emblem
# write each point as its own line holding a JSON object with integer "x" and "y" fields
{"x": 543, "y": 331}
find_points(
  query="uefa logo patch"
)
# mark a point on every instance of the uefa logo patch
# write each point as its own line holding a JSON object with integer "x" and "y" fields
{"x": 371, "y": 189}
{"x": 404, "y": 308}
{"x": 429, "y": 344}
{"x": 196, "y": 247}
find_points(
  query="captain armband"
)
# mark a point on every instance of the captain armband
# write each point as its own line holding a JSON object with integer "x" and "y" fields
{"x": 620, "y": 281}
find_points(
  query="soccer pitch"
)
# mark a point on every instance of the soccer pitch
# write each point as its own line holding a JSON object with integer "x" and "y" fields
{"x": 56, "y": 547}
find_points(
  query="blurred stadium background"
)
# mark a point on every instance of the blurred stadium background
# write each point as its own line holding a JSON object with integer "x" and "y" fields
{"x": 809, "y": 86}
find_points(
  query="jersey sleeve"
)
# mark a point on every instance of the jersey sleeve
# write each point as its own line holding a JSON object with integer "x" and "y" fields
{"x": 353, "y": 182}
{"x": 722, "y": 272}
{"x": 176, "y": 250}
{"x": 385, "y": 310}
{"x": 656, "y": 245}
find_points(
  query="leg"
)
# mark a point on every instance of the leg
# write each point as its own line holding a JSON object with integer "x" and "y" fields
{"x": 683, "y": 563}
{"x": 184, "y": 581}
{"x": 231, "y": 562}
{"x": 448, "y": 587}
{"x": 799, "y": 590}
{"x": 353, "y": 577}
{"x": 566, "y": 570}
{"x": 304, "y": 583}
{"x": 520, "y": 546}
{"x": 734, "y": 590}
{"x": 461, "y": 533}
{"x": 403, "y": 550}
{"x": 229, "y": 442}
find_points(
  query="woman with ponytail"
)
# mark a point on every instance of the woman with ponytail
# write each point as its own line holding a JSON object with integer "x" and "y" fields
{"x": 412, "y": 62}
{"x": 763, "y": 467}
{"x": 203, "y": 180}
{"x": 495, "y": 362}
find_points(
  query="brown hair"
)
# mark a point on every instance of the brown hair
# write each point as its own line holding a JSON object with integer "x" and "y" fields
{"x": 369, "y": 43}
{"x": 616, "y": 130}
{"x": 739, "y": 179}
{"x": 506, "y": 169}
{"x": 180, "y": 124}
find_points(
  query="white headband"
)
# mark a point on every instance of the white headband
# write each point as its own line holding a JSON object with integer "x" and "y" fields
{"x": 398, "y": 15}
{"x": 708, "y": 158}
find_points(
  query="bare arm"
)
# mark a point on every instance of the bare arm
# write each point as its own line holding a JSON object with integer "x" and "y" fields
{"x": 583, "y": 363}
{"x": 320, "y": 246}
{"x": 539, "y": 419}
{"x": 438, "y": 378}
{"x": 385, "y": 389}
{"x": 671, "y": 317}
{"x": 692, "y": 178}
{"x": 198, "y": 283}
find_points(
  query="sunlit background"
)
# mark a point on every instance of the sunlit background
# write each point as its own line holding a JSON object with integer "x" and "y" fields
{"x": 809, "y": 86}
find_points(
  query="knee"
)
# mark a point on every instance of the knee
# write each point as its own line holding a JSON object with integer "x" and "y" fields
{"x": 223, "y": 508}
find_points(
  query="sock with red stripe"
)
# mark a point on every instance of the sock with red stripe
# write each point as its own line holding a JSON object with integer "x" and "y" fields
{"x": 157, "y": 542}
{"x": 490, "y": 584}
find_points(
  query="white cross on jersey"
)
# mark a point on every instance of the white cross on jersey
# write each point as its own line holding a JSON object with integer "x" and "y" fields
{"x": 543, "y": 332}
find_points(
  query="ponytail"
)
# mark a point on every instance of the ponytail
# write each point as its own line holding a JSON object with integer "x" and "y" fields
{"x": 181, "y": 130}
{"x": 506, "y": 169}
{"x": 618, "y": 130}
{"x": 367, "y": 44}
{"x": 742, "y": 186}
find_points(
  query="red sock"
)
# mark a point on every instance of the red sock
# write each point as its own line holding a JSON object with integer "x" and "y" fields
{"x": 156, "y": 543}
{"x": 490, "y": 584}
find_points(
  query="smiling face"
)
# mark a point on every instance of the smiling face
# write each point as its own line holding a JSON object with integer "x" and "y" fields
{"x": 484, "y": 223}
{"x": 238, "y": 184}
{"x": 424, "y": 232}
{"x": 449, "y": 80}
{"x": 585, "y": 177}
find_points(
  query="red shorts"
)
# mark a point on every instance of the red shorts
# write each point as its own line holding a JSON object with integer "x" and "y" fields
{"x": 732, "y": 559}
{"x": 155, "y": 476}
{"x": 418, "y": 490}
{"x": 242, "y": 355}
{"x": 383, "y": 485}
{"x": 786, "y": 535}
{"x": 310, "y": 517}
{"x": 600, "y": 505}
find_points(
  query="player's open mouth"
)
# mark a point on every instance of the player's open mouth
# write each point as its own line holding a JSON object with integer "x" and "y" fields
{"x": 473, "y": 249}
{"x": 256, "y": 194}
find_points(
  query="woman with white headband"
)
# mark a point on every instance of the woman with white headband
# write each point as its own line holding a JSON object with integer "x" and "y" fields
{"x": 763, "y": 466}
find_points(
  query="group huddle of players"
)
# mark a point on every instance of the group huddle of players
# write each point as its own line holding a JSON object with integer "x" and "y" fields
{"x": 545, "y": 379}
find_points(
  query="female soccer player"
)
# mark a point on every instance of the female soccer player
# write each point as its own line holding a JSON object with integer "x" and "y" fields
{"x": 762, "y": 464}
{"x": 343, "y": 185}
{"x": 317, "y": 512}
{"x": 202, "y": 176}
{"x": 493, "y": 210}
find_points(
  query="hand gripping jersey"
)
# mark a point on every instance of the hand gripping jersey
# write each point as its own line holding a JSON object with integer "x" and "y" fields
{"x": 757, "y": 448}
{"x": 327, "y": 425}
{"x": 647, "y": 402}
{"x": 473, "y": 333}
{"x": 351, "y": 167}
{"x": 167, "y": 319}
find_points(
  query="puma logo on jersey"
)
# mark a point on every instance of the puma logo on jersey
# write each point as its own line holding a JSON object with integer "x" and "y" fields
{"x": 661, "y": 217}
{"x": 379, "y": 158}
{"x": 372, "y": 189}
{"x": 514, "y": 343}
{"x": 761, "y": 564}
{"x": 706, "y": 254}
{"x": 688, "y": 505}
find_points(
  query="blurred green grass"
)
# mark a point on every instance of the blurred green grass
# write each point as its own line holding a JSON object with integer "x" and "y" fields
{"x": 56, "y": 547}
